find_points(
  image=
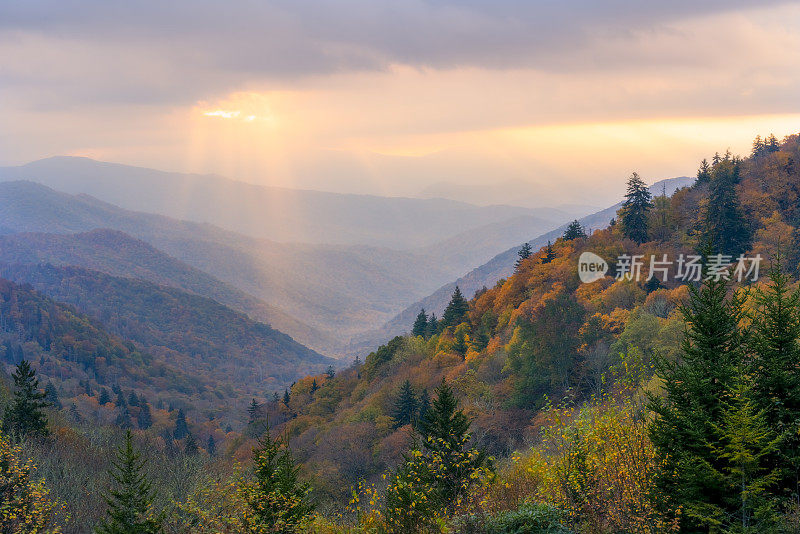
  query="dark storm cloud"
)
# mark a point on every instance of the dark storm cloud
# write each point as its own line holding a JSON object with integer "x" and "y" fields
{"x": 174, "y": 51}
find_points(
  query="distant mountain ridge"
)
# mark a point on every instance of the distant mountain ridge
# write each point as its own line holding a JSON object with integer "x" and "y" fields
{"x": 486, "y": 275}
{"x": 274, "y": 213}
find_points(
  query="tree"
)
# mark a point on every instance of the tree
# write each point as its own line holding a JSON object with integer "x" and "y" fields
{"x": 635, "y": 209}
{"x": 24, "y": 416}
{"x": 123, "y": 419}
{"x": 51, "y": 396}
{"x": 424, "y": 404}
{"x": 211, "y": 447}
{"x": 549, "y": 253}
{"x": 121, "y": 402}
{"x": 133, "y": 400}
{"x": 405, "y": 406}
{"x": 433, "y": 326}
{"x": 438, "y": 472}
{"x": 574, "y": 231}
{"x": 130, "y": 502}
{"x": 330, "y": 372}
{"x": 704, "y": 172}
{"x": 145, "y": 417}
{"x": 190, "y": 447}
{"x": 278, "y": 501}
{"x": 725, "y": 228}
{"x": 104, "y": 397}
{"x": 776, "y": 377}
{"x": 524, "y": 253}
{"x": 461, "y": 339}
{"x": 254, "y": 411}
{"x": 286, "y": 397}
{"x": 181, "y": 427}
{"x": 457, "y": 310}
{"x": 688, "y": 417}
{"x": 26, "y": 506}
{"x": 420, "y": 327}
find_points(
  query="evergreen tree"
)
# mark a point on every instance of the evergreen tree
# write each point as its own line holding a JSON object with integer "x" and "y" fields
{"x": 181, "y": 427}
{"x": 635, "y": 209}
{"x": 574, "y": 231}
{"x": 703, "y": 173}
{"x": 776, "y": 377}
{"x": 461, "y": 339}
{"x": 212, "y": 446}
{"x": 190, "y": 447}
{"x": 130, "y": 503}
{"x": 433, "y": 326}
{"x": 771, "y": 144}
{"x": 524, "y": 253}
{"x": 405, "y": 406}
{"x": 549, "y": 253}
{"x": 286, "y": 397}
{"x": 254, "y": 411}
{"x": 123, "y": 419}
{"x": 121, "y": 402}
{"x": 330, "y": 372}
{"x": 88, "y": 389}
{"x": 279, "y": 502}
{"x": 420, "y": 327}
{"x": 726, "y": 227}
{"x": 145, "y": 417}
{"x": 424, "y": 405}
{"x": 435, "y": 474}
{"x": 457, "y": 310}
{"x": 74, "y": 413}
{"x": 104, "y": 397}
{"x": 686, "y": 429}
{"x": 51, "y": 396}
{"x": 133, "y": 400}
{"x": 24, "y": 416}
{"x": 275, "y": 398}
{"x": 758, "y": 146}
{"x": 314, "y": 386}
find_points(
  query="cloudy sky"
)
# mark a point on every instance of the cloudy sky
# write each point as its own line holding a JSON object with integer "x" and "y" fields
{"x": 556, "y": 100}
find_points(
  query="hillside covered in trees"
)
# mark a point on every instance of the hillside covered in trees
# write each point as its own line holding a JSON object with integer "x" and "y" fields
{"x": 644, "y": 404}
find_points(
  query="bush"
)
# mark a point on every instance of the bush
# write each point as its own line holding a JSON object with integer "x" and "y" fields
{"x": 527, "y": 519}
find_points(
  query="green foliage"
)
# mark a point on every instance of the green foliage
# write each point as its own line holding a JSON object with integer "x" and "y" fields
{"x": 181, "y": 427}
{"x": 420, "y": 327}
{"x": 278, "y": 501}
{"x": 25, "y": 415}
{"x": 574, "y": 231}
{"x": 725, "y": 227}
{"x": 527, "y": 519}
{"x": 524, "y": 253}
{"x": 437, "y": 475}
{"x": 635, "y": 209}
{"x": 549, "y": 253}
{"x": 406, "y": 406}
{"x": 130, "y": 503}
{"x": 456, "y": 311}
{"x": 686, "y": 430}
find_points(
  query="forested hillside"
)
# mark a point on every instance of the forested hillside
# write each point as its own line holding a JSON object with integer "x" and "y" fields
{"x": 628, "y": 404}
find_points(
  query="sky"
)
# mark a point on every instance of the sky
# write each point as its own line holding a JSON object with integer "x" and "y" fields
{"x": 539, "y": 102}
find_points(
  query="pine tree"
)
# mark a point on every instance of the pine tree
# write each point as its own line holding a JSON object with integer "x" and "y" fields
{"x": 420, "y": 327}
{"x": 121, "y": 402}
{"x": 51, "y": 396}
{"x": 726, "y": 228}
{"x": 279, "y": 502}
{"x": 104, "y": 397}
{"x": 703, "y": 173}
{"x": 253, "y": 411}
{"x": 314, "y": 386}
{"x": 758, "y": 147}
{"x": 776, "y": 377}
{"x": 74, "y": 413}
{"x": 457, "y": 310}
{"x": 433, "y": 326}
{"x": 330, "y": 372}
{"x": 130, "y": 503}
{"x": 286, "y": 397}
{"x": 133, "y": 400}
{"x": 123, "y": 419}
{"x": 181, "y": 427}
{"x": 771, "y": 143}
{"x": 549, "y": 253}
{"x": 461, "y": 339}
{"x": 24, "y": 416}
{"x": 212, "y": 446}
{"x": 747, "y": 444}
{"x": 405, "y": 406}
{"x": 145, "y": 417}
{"x": 190, "y": 447}
{"x": 445, "y": 434}
{"x": 637, "y": 205}
{"x": 686, "y": 429}
{"x": 574, "y": 231}
{"x": 524, "y": 253}
{"x": 424, "y": 405}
